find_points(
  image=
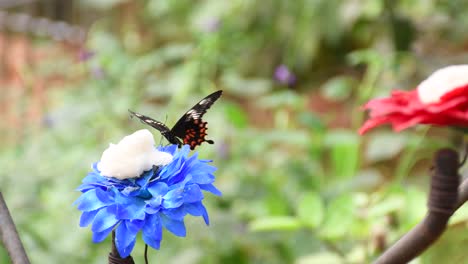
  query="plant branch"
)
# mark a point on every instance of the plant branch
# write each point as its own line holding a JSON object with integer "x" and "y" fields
{"x": 462, "y": 194}
{"x": 114, "y": 256}
{"x": 443, "y": 201}
{"x": 10, "y": 236}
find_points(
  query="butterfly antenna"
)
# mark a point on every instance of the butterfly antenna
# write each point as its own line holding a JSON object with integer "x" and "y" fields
{"x": 131, "y": 113}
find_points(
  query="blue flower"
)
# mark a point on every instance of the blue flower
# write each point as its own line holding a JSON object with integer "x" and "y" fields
{"x": 159, "y": 198}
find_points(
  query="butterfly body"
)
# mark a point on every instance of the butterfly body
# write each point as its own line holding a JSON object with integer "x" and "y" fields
{"x": 190, "y": 128}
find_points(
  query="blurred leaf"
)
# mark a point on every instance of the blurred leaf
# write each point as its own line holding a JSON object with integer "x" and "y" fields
{"x": 103, "y": 42}
{"x": 366, "y": 180}
{"x": 311, "y": 120}
{"x": 275, "y": 223}
{"x": 173, "y": 52}
{"x": 344, "y": 147}
{"x": 384, "y": 146}
{"x": 190, "y": 255}
{"x": 274, "y": 203}
{"x": 245, "y": 87}
{"x": 358, "y": 254}
{"x": 460, "y": 216}
{"x": 236, "y": 115}
{"x": 388, "y": 205}
{"x": 282, "y": 99}
{"x": 158, "y": 8}
{"x": 449, "y": 248}
{"x": 322, "y": 258}
{"x": 373, "y": 9}
{"x": 415, "y": 207}
{"x": 369, "y": 56}
{"x": 101, "y": 4}
{"x": 310, "y": 209}
{"x": 338, "y": 88}
{"x": 339, "y": 217}
{"x": 4, "y": 258}
{"x": 291, "y": 137}
{"x": 403, "y": 32}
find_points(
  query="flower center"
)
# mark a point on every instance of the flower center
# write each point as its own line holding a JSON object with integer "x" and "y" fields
{"x": 441, "y": 82}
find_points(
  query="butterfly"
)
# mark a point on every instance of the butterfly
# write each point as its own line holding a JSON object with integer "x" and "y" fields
{"x": 190, "y": 129}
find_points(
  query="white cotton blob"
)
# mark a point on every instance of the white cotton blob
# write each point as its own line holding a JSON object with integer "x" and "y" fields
{"x": 441, "y": 82}
{"x": 133, "y": 155}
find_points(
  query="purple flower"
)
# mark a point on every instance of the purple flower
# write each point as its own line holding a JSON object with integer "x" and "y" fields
{"x": 284, "y": 76}
{"x": 211, "y": 25}
{"x": 97, "y": 72}
{"x": 85, "y": 54}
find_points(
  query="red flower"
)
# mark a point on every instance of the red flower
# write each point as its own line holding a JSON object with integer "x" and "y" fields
{"x": 442, "y": 100}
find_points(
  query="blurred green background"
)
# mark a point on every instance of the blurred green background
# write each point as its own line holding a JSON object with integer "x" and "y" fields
{"x": 299, "y": 184}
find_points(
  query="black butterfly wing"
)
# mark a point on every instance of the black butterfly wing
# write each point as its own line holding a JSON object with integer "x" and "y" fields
{"x": 165, "y": 131}
{"x": 190, "y": 128}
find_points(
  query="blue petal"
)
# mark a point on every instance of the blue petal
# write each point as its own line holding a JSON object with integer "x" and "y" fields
{"x": 154, "y": 202}
{"x": 88, "y": 186}
{"x": 192, "y": 161}
{"x": 182, "y": 184}
{"x": 198, "y": 209}
{"x": 185, "y": 150}
{"x": 87, "y": 218}
{"x": 152, "y": 231}
{"x": 95, "y": 168}
{"x": 176, "y": 213}
{"x": 131, "y": 191}
{"x": 134, "y": 225}
{"x": 145, "y": 178}
{"x": 203, "y": 176}
{"x": 174, "y": 226}
{"x": 210, "y": 188}
{"x": 154, "y": 243}
{"x": 144, "y": 194}
{"x": 158, "y": 189}
{"x": 192, "y": 193}
{"x": 154, "y": 205}
{"x": 173, "y": 198}
{"x": 125, "y": 237}
{"x": 130, "y": 207}
{"x": 93, "y": 177}
{"x": 171, "y": 149}
{"x": 179, "y": 176}
{"x": 171, "y": 170}
{"x": 100, "y": 236}
{"x": 105, "y": 197}
{"x": 104, "y": 220}
{"x": 125, "y": 252}
{"x": 90, "y": 200}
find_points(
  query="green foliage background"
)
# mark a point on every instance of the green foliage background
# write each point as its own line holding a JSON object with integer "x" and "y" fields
{"x": 299, "y": 184}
